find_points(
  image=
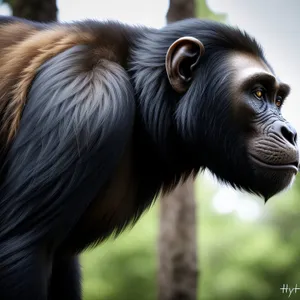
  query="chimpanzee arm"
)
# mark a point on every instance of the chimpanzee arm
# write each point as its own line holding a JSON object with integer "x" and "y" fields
{"x": 73, "y": 131}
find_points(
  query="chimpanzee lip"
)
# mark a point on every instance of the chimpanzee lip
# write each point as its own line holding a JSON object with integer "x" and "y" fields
{"x": 292, "y": 166}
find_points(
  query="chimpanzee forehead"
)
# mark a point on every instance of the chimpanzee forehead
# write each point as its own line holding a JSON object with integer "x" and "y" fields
{"x": 248, "y": 65}
{"x": 245, "y": 61}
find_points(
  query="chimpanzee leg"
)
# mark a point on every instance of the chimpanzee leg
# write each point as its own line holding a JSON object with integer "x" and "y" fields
{"x": 65, "y": 279}
{"x": 24, "y": 271}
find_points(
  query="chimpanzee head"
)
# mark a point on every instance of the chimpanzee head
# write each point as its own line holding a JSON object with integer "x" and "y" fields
{"x": 221, "y": 96}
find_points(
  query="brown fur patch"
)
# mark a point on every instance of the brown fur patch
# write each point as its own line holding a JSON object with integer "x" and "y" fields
{"x": 13, "y": 33}
{"x": 19, "y": 63}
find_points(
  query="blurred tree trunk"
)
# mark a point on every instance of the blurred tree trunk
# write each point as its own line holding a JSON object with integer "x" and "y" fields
{"x": 181, "y": 9}
{"x": 178, "y": 268}
{"x": 35, "y": 10}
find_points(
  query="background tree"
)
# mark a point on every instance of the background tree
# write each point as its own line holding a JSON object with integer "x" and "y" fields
{"x": 35, "y": 10}
{"x": 178, "y": 267}
{"x": 181, "y": 9}
{"x": 178, "y": 261}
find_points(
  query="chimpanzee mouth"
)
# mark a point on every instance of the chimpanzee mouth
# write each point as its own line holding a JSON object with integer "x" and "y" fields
{"x": 290, "y": 166}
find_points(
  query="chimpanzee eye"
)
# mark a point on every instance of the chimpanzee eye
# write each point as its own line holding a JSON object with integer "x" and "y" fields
{"x": 259, "y": 94}
{"x": 278, "y": 101}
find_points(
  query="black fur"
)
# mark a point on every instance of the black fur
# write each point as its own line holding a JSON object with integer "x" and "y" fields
{"x": 74, "y": 130}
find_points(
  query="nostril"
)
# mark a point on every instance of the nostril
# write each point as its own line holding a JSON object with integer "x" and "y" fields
{"x": 289, "y": 135}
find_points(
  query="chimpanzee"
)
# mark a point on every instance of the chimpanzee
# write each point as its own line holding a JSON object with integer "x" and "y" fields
{"x": 98, "y": 117}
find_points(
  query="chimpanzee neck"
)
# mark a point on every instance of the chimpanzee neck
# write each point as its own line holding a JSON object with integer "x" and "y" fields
{"x": 165, "y": 163}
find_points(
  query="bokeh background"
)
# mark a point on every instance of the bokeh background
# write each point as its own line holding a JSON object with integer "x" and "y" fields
{"x": 247, "y": 249}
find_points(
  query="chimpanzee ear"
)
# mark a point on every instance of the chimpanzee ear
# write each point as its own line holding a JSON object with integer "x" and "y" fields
{"x": 181, "y": 59}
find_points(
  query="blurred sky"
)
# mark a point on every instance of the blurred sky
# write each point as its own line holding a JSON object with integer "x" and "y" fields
{"x": 274, "y": 23}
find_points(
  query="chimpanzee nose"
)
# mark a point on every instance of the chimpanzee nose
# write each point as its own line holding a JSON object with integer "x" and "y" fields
{"x": 286, "y": 132}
